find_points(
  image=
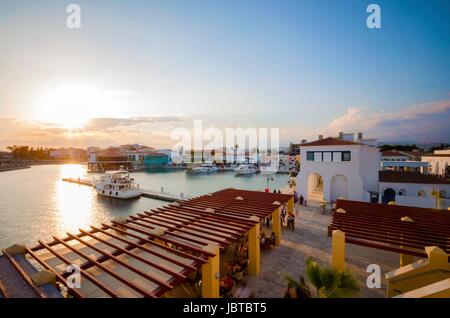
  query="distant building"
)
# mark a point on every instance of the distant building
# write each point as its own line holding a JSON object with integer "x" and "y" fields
{"x": 413, "y": 189}
{"x": 156, "y": 160}
{"x": 394, "y": 155}
{"x": 439, "y": 162}
{"x": 402, "y": 161}
{"x": 107, "y": 160}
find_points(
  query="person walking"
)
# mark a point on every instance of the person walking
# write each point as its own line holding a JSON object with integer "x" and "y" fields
{"x": 300, "y": 199}
{"x": 291, "y": 222}
{"x": 283, "y": 214}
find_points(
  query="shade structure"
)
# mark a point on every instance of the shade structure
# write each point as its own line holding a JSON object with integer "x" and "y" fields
{"x": 403, "y": 229}
{"x": 148, "y": 254}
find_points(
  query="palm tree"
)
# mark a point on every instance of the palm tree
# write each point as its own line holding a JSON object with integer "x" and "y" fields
{"x": 297, "y": 289}
{"x": 329, "y": 282}
{"x": 235, "y": 148}
{"x": 436, "y": 194}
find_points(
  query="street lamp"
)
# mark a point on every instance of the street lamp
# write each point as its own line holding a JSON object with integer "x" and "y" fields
{"x": 269, "y": 178}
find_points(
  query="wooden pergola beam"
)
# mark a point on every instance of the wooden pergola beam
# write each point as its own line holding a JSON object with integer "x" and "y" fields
{"x": 131, "y": 285}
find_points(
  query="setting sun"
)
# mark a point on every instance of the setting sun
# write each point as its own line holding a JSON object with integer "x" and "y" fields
{"x": 71, "y": 106}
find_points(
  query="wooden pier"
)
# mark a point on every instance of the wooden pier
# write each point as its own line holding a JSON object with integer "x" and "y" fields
{"x": 144, "y": 193}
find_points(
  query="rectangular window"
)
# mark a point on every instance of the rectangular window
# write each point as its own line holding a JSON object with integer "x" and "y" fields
{"x": 318, "y": 156}
{"x": 337, "y": 156}
{"x": 310, "y": 156}
{"x": 346, "y": 156}
{"x": 327, "y": 156}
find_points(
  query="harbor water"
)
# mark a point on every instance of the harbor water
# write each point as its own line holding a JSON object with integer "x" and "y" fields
{"x": 37, "y": 204}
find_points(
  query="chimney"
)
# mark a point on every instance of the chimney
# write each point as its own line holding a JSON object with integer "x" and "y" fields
{"x": 341, "y": 135}
{"x": 303, "y": 141}
{"x": 320, "y": 137}
{"x": 360, "y": 137}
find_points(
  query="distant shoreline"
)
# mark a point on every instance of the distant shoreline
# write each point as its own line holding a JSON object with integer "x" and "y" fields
{"x": 4, "y": 169}
{"x": 20, "y": 166}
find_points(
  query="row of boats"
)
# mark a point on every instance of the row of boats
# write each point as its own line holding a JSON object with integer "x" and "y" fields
{"x": 119, "y": 184}
{"x": 243, "y": 169}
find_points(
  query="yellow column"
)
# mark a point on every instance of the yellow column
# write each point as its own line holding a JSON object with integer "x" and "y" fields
{"x": 338, "y": 250}
{"x": 290, "y": 206}
{"x": 211, "y": 273}
{"x": 406, "y": 259}
{"x": 276, "y": 226}
{"x": 254, "y": 252}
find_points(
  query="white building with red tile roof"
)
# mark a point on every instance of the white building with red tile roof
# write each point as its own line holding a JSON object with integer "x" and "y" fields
{"x": 333, "y": 168}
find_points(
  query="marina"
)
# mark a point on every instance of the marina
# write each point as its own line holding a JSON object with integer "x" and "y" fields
{"x": 36, "y": 201}
{"x": 143, "y": 193}
{"x": 204, "y": 150}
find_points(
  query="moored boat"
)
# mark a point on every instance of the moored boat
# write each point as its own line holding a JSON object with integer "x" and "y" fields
{"x": 117, "y": 184}
{"x": 205, "y": 168}
{"x": 245, "y": 169}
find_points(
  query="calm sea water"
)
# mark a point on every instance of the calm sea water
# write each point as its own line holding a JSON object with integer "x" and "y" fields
{"x": 36, "y": 204}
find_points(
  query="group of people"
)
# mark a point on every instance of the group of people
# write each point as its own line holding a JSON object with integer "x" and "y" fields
{"x": 300, "y": 199}
{"x": 290, "y": 220}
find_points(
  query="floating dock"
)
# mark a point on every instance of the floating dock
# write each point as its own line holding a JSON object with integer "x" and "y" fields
{"x": 144, "y": 193}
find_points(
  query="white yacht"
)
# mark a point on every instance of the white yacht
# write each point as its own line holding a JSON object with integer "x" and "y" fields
{"x": 269, "y": 168}
{"x": 245, "y": 169}
{"x": 205, "y": 168}
{"x": 117, "y": 184}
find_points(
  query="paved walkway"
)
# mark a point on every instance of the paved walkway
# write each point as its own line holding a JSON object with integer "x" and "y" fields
{"x": 310, "y": 239}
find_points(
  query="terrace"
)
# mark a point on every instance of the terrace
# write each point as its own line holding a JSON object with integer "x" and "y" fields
{"x": 155, "y": 253}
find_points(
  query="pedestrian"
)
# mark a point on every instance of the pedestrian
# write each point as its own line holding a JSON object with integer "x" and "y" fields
{"x": 279, "y": 191}
{"x": 274, "y": 190}
{"x": 301, "y": 199}
{"x": 291, "y": 221}
{"x": 306, "y": 203}
{"x": 283, "y": 214}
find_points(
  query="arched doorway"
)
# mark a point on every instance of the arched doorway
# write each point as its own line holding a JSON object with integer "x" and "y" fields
{"x": 315, "y": 187}
{"x": 388, "y": 195}
{"x": 339, "y": 187}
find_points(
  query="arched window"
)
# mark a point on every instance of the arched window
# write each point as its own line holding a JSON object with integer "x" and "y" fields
{"x": 421, "y": 193}
{"x": 402, "y": 192}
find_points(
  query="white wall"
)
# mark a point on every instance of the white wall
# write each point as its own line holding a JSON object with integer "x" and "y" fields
{"x": 411, "y": 197}
{"x": 361, "y": 171}
{"x": 369, "y": 159}
{"x": 339, "y": 187}
{"x": 438, "y": 165}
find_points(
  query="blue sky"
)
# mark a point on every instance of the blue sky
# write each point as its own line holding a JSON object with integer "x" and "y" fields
{"x": 308, "y": 67}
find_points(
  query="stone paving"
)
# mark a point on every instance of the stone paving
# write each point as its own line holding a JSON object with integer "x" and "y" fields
{"x": 310, "y": 239}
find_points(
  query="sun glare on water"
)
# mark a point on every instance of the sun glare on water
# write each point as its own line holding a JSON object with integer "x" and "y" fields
{"x": 71, "y": 106}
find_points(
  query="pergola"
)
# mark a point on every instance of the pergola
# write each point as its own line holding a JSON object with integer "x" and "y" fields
{"x": 403, "y": 229}
{"x": 148, "y": 254}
